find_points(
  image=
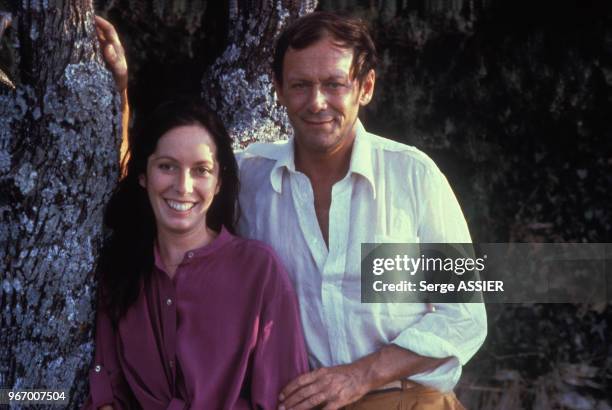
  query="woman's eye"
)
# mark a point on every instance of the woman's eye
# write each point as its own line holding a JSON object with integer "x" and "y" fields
{"x": 165, "y": 167}
{"x": 202, "y": 171}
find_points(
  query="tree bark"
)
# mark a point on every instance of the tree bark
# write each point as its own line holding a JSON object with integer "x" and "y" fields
{"x": 59, "y": 140}
{"x": 239, "y": 84}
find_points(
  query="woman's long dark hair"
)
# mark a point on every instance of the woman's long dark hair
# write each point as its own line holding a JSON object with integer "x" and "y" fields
{"x": 127, "y": 256}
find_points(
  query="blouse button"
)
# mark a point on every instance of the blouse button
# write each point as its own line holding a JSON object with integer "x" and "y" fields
{"x": 169, "y": 302}
{"x": 190, "y": 255}
{"x": 98, "y": 369}
{"x": 171, "y": 363}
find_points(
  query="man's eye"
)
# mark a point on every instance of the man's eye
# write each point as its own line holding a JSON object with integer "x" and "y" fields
{"x": 334, "y": 86}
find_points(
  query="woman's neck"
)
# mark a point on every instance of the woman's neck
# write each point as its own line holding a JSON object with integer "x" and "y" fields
{"x": 172, "y": 247}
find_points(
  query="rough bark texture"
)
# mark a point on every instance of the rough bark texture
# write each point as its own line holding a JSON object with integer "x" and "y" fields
{"x": 59, "y": 136}
{"x": 239, "y": 84}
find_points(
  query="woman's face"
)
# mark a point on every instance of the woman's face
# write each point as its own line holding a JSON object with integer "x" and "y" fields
{"x": 181, "y": 180}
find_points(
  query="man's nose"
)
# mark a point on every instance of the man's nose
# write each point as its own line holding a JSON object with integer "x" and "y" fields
{"x": 318, "y": 100}
{"x": 184, "y": 182}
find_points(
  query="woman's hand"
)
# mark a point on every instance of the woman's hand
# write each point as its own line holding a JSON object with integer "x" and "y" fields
{"x": 114, "y": 56}
{"x": 113, "y": 52}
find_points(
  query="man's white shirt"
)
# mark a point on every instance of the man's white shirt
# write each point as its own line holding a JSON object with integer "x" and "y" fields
{"x": 391, "y": 193}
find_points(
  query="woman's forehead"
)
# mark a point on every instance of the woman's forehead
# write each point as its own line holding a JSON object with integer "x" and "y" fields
{"x": 187, "y": 141}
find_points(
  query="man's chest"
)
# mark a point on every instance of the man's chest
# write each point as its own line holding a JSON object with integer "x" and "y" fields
{"x": 297, "y": 222}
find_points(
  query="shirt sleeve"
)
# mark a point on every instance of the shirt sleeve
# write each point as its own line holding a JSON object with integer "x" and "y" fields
{"x": 247, "y": 198}
{"x": 107, "y": 386}
{"x": 455, "y": 330}
{"x": 280, "y": 353}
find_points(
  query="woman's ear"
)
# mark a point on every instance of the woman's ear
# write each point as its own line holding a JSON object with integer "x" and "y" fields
{"x": 142, "y": 180}
{"x": 218, "y": 187}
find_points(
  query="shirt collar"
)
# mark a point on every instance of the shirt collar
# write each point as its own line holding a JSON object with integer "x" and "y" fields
{"x": 361, "y": 159}
{"x": 285, "y": 158}
{"x": 220, "y": 240}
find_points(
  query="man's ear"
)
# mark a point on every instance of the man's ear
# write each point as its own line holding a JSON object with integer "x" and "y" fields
{"x": 278, "y": 88}
{"x": 367, "y": 88}
{"x": 142, "y": 180}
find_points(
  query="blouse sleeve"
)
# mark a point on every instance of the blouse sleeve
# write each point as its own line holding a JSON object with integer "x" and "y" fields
{"x": 280, "y": 353}
{"x": 107, "y": 386}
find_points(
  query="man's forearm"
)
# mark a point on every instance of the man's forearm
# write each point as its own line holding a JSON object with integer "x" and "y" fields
{"x": 392, "y": 363}
{"x": 338, "y": 386}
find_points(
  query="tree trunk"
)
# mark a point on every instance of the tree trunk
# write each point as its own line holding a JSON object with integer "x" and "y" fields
{"x": 59, "y": 140}
{"x": 239, "y": 84}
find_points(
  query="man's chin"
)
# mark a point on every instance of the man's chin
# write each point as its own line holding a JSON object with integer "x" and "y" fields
{"x": 319, "y": 143}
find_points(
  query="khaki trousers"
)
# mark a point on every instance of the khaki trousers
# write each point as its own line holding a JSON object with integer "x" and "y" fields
{"x": 411, "y": 396}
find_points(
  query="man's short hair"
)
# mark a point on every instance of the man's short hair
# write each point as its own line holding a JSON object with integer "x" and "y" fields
{"x": 347, "y": 32}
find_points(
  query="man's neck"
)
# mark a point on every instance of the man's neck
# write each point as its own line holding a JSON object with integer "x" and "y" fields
{"x": 324, "y": 169}
{"x": 328, "y": 166}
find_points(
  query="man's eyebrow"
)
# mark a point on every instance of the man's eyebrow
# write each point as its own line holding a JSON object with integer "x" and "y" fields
{"x": 298, "y": 77}
{"x": 332, "y": 77}
{"x": 336, "y": 77}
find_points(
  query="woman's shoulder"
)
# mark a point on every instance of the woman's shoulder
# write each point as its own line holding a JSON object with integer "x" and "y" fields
{"x": 254, "y": 248}
{"x": 258, "y": 258}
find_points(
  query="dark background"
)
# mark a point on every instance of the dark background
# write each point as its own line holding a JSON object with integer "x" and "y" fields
{"x": 512, "y": 99}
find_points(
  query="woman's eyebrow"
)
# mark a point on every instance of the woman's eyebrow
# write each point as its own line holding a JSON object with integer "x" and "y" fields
{"x": 171, "y": 158}
{"x": 166, "y": 157}
{"x": 204, "y": 162}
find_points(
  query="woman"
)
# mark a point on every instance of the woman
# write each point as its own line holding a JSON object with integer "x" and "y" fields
{"x": 190, "y": 316}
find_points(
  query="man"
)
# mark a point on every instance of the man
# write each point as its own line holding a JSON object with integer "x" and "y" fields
{"x": 318, "y": 196}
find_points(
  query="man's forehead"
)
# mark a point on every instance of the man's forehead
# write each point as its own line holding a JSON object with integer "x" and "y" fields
{"x": 323, "y": 58}
{"x": 327, "y": 42}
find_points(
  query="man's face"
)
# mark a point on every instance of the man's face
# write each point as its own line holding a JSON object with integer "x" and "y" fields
{"x": 322, "y": 99}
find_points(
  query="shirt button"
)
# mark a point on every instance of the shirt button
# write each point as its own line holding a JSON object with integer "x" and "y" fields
{"x": 98, "y": 369}
{"x": 190, "y": 255}
{"x": 171, "y": 363}
{"x": 169, "y": 302}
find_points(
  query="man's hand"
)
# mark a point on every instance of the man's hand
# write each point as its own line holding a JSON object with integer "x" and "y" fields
{"x": 337, "y": 386}
{"x": 333, "y": 387}
{"x": 113, "y": 52}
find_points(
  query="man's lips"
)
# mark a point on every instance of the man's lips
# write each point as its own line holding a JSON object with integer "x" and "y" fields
{"x": 318, "y": 121}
